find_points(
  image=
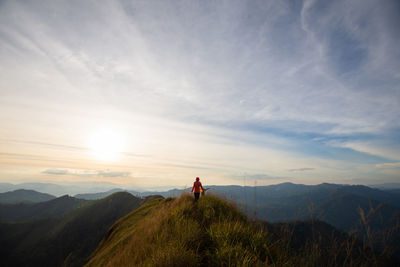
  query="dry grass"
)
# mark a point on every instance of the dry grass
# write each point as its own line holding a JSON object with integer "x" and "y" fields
{"x": 212, "y": 232}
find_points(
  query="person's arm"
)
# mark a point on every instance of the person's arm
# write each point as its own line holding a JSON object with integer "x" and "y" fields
{"x": 192, "y": 188}
{"x": 201, "y": 186}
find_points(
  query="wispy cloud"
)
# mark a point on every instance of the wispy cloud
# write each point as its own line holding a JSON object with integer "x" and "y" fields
{"x": 246, "y": 177}
{"x": 86, "y": 173}
{"x": 43, "y": 144}
{"x": 301, "y": 169}
{"x": 113, "y": 174}
{"x": 265, "y": 177}
{"x": 389, "y": 165}
{"x": 208, "y": 68}
{"x": 56, "y": 172}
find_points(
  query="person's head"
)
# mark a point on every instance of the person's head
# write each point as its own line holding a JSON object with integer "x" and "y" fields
{"x": 197, "y": 179}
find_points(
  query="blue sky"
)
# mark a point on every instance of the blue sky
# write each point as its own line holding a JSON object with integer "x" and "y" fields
{"x": 300, "y": 91}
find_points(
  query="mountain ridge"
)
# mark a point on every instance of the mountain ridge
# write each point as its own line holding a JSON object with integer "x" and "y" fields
{"x": 65, "y": 240}
{"x": 34, "y": 211}
{"x": 213, "y": 232}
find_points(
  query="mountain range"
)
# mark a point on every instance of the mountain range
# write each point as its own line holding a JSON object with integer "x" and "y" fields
{"x": 20, "y": 212}
{"x": 289, "y": 202}
{"x": 60, "y": 189}
{"x": 67, "y": 239}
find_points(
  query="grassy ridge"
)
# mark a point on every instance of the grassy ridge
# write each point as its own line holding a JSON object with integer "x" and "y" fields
{"x": 181, "y": 233}
{"x": 212, "y": 232}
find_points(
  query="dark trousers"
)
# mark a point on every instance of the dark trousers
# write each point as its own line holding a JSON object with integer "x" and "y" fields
{"x": 196, "y": 196}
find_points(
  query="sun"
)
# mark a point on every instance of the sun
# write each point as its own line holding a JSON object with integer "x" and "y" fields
{"x": 106, "y": 145}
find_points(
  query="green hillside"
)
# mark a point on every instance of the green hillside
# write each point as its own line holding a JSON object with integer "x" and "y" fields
{"x": 34, "y": 211}
{"x": 67, "y": 240}
{"x": 212, "y": 232}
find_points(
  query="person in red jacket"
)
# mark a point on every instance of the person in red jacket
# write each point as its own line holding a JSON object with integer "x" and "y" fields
{"x": 196, "y": 188}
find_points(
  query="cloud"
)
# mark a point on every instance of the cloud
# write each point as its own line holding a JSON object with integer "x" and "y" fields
{"x": 393, "y": 165}
{"x": 301, "y": 169}
{"x": 259, "y": 176}
{"x": 265, "y": 177}
{"x": 207, "y": 70}
{"x": 43, "y": 144}
{"x": 384, "y": 150}
{"x": 214, "y": 71}
{"x": 87, "y": 173}
{"x": 113, "y": 174}
{"x": 56, "y": 172}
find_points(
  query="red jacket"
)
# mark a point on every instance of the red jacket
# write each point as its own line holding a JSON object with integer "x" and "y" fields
{"x": 196, "y": 187}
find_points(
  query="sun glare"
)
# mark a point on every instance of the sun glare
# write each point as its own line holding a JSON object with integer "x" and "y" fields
{"x": 106, "y": 145}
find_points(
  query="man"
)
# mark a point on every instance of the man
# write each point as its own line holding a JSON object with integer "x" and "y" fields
{"x": 196, "y": 188}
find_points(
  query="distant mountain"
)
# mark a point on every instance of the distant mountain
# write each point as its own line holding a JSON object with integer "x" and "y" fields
{"x": 34, "y": 211}
{"x": 69, "y": 239}
{"x": 5, "y": 187}
{"x": 338, "y": 205}
{"x": 386, "y": 186}
{"x": 394, "y": 191}
{"x": 371, "y": 193}
{"x": 344, "y": 211}
{"x": 95, "y": 196}
{"x": 60, "y": 189}
{"x": 53, "y": 189}
{"x": 24, "y": 196}
{"x": 165, "y": 194}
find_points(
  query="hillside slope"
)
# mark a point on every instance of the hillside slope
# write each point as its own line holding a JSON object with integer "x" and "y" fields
{"x": 69, "y": 239}
{"x": 212, "y": 232}
{"x": 33, "y": 211}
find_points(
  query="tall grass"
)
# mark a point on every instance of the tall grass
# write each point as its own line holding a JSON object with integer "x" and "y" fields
{"x": 212, "y": 232}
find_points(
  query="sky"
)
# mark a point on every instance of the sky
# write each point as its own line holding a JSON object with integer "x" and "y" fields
{"x": 155, "y": 93}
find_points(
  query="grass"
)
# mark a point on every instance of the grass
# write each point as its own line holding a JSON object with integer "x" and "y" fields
{"x": 212, "y": 232}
